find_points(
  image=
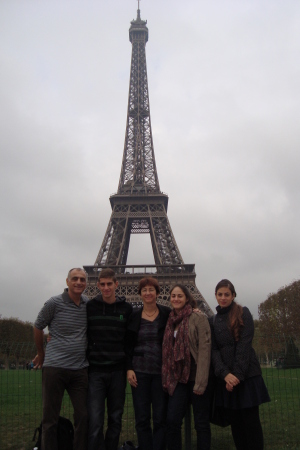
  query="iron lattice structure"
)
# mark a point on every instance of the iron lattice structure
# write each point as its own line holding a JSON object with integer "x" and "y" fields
{"x": 139, "y": 206}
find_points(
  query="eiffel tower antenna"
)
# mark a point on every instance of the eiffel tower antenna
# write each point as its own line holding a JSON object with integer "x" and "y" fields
{"x": 139, "y": 206}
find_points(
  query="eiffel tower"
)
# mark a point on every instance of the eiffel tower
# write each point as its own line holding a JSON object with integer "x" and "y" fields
{"x": 139, "y": 206}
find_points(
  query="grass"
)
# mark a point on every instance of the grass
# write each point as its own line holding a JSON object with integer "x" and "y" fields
{"x": 21, "y": 412}
{"x": 281, "y": 417}
{"x": 21, "y": 409}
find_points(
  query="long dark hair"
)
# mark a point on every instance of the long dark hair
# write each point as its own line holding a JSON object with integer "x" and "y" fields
{"x": 190, "y": 299}
{"x": 236, "y": 311}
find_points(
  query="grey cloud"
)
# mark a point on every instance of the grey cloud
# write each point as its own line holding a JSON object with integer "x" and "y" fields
{"x": 224, "y": 96}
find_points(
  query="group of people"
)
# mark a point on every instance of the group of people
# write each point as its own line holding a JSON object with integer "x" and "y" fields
{"x": 170, "y": 356}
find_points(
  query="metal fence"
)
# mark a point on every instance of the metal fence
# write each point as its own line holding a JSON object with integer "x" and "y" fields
{"x": 21, "y": 400}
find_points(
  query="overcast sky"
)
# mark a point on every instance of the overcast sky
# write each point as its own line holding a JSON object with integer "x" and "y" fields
{"x": 224, "y": 92}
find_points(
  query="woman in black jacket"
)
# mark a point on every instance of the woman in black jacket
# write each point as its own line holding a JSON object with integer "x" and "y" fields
{"x": 242, "y": 388}
{"x": 145, "y": 331}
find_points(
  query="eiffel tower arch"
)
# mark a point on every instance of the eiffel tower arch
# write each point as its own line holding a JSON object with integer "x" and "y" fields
{"x": 139, "y": 206}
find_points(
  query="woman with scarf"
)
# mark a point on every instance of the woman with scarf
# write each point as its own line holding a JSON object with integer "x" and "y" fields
{"x": 185, "y": 368}
{"x": 241, "y": 388}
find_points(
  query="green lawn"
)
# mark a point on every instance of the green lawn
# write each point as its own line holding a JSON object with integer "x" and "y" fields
{"x": 21, "y": 412}
{"x": 280, "y": 418}
{"x": 21, "y": 409}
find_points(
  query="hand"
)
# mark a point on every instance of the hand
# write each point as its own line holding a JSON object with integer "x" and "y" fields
{"x": 131, "y": 377}
{"x": 231, "y": 380}
{"x": 229, "y": 388}
{"x": 38, "y": 361}
{"x": 198, "y": 392}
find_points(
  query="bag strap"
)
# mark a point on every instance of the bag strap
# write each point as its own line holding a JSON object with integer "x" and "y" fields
{"x": 38, "y": 430}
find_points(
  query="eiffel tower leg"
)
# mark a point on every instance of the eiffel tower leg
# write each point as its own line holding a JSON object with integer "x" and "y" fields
{"x": 115, "y": 245}
{"x": 165, "y": 242}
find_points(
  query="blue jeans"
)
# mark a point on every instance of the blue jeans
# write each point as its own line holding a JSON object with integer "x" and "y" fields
{"x": 150, "y": 392}
{"x": 177, "y": 407}
{"x": 110, "y": 386}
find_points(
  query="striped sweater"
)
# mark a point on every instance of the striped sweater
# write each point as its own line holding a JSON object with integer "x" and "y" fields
{"x": 67, "y": 326}
{"x": 107, "y": 325}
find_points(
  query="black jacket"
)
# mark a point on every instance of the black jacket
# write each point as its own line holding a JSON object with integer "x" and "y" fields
{"x": 133, "y": 330}
{"x": 228, "y": 356}
{"x": 107, "y": 324}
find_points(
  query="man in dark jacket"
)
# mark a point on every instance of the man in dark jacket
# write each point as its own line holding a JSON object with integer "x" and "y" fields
{"x": 107, "y": 317}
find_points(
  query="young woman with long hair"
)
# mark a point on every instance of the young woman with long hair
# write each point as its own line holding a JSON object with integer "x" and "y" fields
{"x": 241, "y": 388}
{"x": 185, "y": 368}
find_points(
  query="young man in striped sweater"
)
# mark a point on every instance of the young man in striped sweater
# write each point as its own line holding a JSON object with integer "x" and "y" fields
{"x": 107, "y": 317}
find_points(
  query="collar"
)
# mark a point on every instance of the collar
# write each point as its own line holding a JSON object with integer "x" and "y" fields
{"x": 224, "y": 310}
{"x": 66, "y": 298}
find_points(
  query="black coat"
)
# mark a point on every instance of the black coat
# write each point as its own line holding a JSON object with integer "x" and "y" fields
{"x": 228, "y": 356}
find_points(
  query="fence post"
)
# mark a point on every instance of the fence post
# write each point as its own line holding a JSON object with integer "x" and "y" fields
{"x": 188, "y": 429}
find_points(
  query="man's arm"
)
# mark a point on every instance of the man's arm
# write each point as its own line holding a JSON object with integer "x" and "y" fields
{"x": 38, "y": 361}
{"x": 43, "y": 320}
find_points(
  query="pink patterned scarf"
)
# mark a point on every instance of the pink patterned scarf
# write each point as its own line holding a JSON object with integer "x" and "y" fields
{"x": 176, "y": 358}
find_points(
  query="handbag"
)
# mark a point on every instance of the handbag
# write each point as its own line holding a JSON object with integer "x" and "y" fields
{"x": 218, "y": 415}
{"x": 65, "y": 435}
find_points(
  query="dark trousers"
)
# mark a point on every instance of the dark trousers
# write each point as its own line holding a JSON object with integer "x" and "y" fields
{"x": 110, "y": 386}
{"x": 177, "y": 407}
{"x": 54, "y": 383}
{"x": 149, "y": 392}
{"x": 246, "y": 429}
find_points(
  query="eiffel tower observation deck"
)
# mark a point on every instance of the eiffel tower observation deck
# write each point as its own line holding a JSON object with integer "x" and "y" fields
{"x": 139, "y": 206}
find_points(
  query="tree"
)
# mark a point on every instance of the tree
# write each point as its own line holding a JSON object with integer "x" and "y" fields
{"x": 259, "y": 343}
{"x": 16, "y": 339}
{"x": 279, "y": 315}
{"x": 291, "y": 358}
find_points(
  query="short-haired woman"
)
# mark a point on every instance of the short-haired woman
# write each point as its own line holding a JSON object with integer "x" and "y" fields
{"x": 144, "y": 337}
